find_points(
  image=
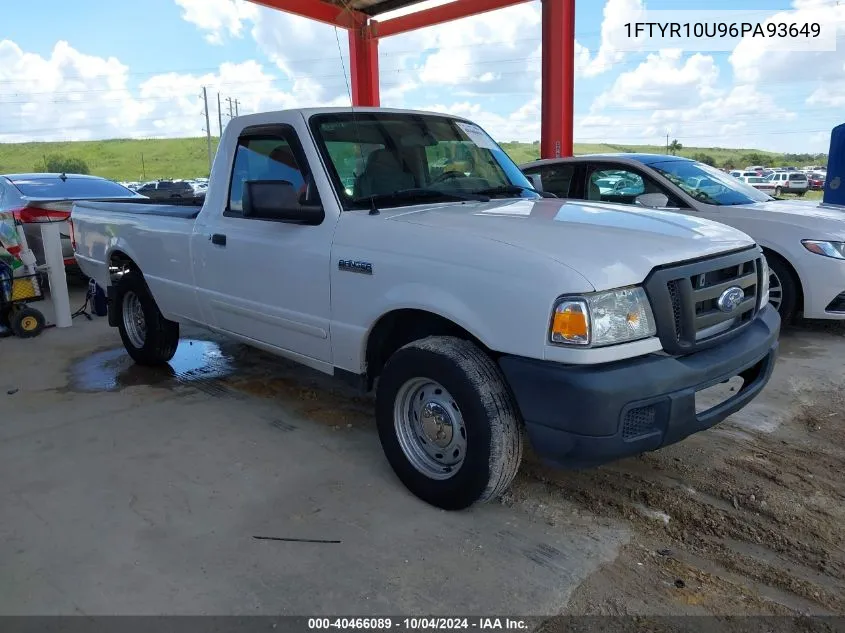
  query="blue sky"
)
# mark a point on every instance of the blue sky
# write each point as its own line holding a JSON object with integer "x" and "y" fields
{"x": 80, "y": 72}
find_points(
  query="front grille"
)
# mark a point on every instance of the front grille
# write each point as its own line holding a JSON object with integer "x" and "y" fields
{"x": 685, "y": 299}
{"x": 638, "y": 422}
{"x": 675, "y": 296}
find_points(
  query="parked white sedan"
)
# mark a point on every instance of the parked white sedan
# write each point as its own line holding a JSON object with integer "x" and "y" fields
{"x": 760, "y": 183}
{"x": 803, "y": 241}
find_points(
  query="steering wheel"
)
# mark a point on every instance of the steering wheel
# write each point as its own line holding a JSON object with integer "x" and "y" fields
{"x": 448, "y": 175}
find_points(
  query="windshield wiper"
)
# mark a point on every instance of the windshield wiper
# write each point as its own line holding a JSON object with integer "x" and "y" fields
{"x": 505, "y": 189}
{"x": 421, "y": 194}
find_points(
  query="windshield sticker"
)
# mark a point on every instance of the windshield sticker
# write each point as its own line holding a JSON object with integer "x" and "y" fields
{"x": 477, "y": 135}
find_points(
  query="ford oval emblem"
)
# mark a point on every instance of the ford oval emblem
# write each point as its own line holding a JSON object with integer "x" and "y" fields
{"x": 730, "y": 299}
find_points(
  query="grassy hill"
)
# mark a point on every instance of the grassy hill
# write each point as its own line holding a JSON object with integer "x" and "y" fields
{"x": 148, "y": 159}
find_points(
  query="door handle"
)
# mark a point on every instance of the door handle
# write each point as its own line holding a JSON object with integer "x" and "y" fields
{"x": 219, "y": 239}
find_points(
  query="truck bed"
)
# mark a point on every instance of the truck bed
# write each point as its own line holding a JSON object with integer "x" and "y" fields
{"x": 155, "y": 236}
{"x": 176, "y": 208}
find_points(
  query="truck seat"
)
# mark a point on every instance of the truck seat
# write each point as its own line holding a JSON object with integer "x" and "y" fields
{"x": 383, "y": 174}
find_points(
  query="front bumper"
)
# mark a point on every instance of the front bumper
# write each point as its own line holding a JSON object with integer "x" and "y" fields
{"x": 588, "y": 415}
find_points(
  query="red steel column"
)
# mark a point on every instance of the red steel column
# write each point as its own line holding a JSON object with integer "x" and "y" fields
{"x": 363, "y": 60}
{"x": 558, "y": 91}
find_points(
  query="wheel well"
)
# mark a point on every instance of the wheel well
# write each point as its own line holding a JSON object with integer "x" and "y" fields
{"x": 799, "y": 300}
{"x": 400, "y": 327}
{"x": 119, "y": 264}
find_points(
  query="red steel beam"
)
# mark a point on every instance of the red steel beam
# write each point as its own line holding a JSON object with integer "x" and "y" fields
{"x": 318, "y": 10}
{"x": 558, "y": 92}
{"x": 437, "y": 15}
{"x": 363, "y": 62}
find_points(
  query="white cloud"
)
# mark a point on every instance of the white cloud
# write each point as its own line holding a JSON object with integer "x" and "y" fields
{"x": 763, "y": 61}
{"x": 663, "y": 78}
{"x": 218, "y": 17}
{"x": 830, "y": 96}
{"x": 73, "y": 96}
{"x": 616, "y": 13}
{"x": 671, "y": 93}
{"x": 51, "y": 96}
{"x": 492, "y": 53}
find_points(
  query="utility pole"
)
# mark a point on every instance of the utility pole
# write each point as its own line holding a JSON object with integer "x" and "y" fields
{"x": 229, "y": 99}
{"x": 667, "y": 142}
{"x": 237, "y": 113}
{"x": 143, "y": 168}
{"x": 219, "y": 116}
{"x": 207, "y": 126}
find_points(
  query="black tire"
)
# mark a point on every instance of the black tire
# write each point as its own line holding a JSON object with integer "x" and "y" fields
{"x": 778, "y": 192}
{"x": 488, "y": 409}
{"x": 26, "y": 322}
{"x": 790, "y": 287}
{"x": 161, "y": 337}
{"x": 801, "y": 194}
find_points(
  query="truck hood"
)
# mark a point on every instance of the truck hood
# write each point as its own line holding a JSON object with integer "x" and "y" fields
{"x": 610, "y": 245}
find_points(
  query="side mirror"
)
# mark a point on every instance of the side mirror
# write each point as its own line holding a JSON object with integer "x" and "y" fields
{"x": 652, "y": 200}
{"x": 536, "y": 182}
{"x": 278, "y": 200}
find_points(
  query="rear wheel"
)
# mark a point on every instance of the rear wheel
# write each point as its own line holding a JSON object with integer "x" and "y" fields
{"x": 148, "y": 337}
{"x": 448, "y": 423}
{"x": 778, "y": 191}
{"x": 801, "y": 194}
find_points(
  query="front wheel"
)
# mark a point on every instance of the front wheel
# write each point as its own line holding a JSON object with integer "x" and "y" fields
{"x": 783, "y": 288}
{"x": 148, "y": 337}
{"x": 778, "y": 192}
{"x": 448, "y": 423}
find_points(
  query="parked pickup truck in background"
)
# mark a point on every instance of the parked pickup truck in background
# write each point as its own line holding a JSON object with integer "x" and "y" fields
{"x": 406, "y": 251}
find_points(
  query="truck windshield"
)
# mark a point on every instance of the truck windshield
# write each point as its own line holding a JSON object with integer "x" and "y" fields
{"x": 709, "y": 185}
{"x": 398, "y": 159}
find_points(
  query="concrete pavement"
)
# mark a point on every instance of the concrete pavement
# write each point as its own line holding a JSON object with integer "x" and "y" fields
{"x": 141, "y": 493}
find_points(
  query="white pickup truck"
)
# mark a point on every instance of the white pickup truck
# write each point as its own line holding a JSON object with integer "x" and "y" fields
{"x": 406, "y": 250}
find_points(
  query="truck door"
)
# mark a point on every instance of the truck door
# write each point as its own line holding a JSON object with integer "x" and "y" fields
{"x": 267, "y": 280}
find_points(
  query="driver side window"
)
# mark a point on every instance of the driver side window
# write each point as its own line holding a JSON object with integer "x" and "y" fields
{"x": 621, "y": 185}
{"x": 265, "y": 157}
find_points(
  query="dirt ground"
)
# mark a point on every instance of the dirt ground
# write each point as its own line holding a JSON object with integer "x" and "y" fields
{"x": 744, "y": 519}
{"x": 747, "y": 518}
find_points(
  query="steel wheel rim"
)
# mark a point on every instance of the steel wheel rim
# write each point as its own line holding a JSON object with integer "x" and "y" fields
{"x": 29, "y": 323}
{"x": 133, "y": 319}
{"x": 775, "y": 290}
{"x": 430, "y": 428}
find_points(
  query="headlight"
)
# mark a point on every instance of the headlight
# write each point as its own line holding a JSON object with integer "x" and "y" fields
{"x": 602, "y": 318}
{"x": 828, "y": 249}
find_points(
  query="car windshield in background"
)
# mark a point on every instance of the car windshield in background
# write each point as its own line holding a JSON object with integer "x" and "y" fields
{"x": 395, "y": 159}
{"x": 709, "y": 185}
{"x": 70, "y": 188}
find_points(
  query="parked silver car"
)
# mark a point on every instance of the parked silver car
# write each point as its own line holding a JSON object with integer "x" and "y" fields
{"x": 38, "y": 198}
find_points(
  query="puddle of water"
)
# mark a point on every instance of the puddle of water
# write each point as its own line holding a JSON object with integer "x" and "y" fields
{"x": 195, "y": 361}
{"x": 231, "y": 370}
